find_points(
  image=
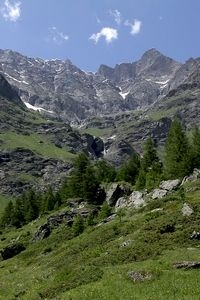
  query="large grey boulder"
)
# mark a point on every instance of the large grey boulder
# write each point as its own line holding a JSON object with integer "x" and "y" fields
{"x": 115, "y": 192}
{"x": 135, "y": 200}
{"x": 170, "y": 185}
{"x": 158, "y": 194}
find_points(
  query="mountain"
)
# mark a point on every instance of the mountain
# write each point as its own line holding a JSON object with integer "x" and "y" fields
{"x": 66, "y": 91}
{"x": 114, "y": 110}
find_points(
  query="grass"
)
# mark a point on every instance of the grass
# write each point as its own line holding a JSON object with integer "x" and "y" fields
{"x": 95, "y": 264}
{"x": 39, "y": 144}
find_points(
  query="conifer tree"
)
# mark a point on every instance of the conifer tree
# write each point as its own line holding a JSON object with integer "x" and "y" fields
{"x": 196, "y": 148}
{"x": 7, "y": 218}
{"x": 177, "y": 152}
{"x": 130, "y": 169}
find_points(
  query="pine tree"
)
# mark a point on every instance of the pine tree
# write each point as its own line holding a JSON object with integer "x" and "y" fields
{"x": 196, "y": 148}
{"x": 78, "y": 225}
{"x": 130, "y": 169}
{"x": 177, "y": 152}
{"x": 91, "y": 190}
{"x": 73, "y": 187}
{"x": 105, "y": 172}
{"x": 7, "y": 218}
{"x": 151, "y": 167}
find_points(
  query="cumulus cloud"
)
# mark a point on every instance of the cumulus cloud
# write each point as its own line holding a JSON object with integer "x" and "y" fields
{"x": 57, "y": 36}
{"x": 110, "y": 34}
{"x": 135, "y": 26}
{"x": 117, "y": 16}
{"x": 11, "y": 11}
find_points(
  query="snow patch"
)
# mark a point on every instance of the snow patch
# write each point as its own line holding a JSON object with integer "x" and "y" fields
{"x": 37, "y": 108}
{"x": 20, "y": 81}
{"x": 123, "y": 94}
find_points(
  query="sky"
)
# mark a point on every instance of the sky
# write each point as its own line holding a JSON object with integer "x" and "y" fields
{"x": 95, "y": 32}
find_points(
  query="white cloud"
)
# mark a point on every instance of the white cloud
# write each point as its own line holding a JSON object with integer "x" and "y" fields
{"x": 11, "y": 11}
{"x": 135, "y": 26}
{"x": 117, "y": 16}
{"x": 57, "y": 36}
{"x": 110, "y": 34}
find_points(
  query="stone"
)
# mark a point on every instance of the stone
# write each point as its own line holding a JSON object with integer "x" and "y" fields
{"x": 187, "y": 265}
{"x": 11, "y": 251}
{"x": 135, "y": 200}
{"x": 158, "y": 194}
{"x": 43, "y": 232}
{"x": 195, "y": 235}
{"x": 186, "y": 210}
{"x": 194, "y": 176}
{"x": 115, "y": 192}
{"x": 170, "y": 185}
{"x": 139, "y": 276}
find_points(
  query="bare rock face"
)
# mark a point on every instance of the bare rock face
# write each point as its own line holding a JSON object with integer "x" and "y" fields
{"x": 61, "y": 87}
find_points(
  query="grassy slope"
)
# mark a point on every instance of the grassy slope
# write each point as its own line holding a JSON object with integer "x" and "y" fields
{"x": 39, "y": 144}
{"x": 94, "y": 265}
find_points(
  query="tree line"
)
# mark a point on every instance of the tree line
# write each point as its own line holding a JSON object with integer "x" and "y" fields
{"x": 181, "y": 154}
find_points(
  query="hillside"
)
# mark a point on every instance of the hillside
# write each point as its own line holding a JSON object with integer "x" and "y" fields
{"x": 99, "y": 179}
{"x": 98, "y": 264}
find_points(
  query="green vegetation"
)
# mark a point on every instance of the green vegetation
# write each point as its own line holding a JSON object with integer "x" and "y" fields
{"x": 39, "y": 144}
{"x": 91, "y": 260}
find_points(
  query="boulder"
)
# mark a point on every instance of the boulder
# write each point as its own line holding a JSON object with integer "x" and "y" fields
{"x": 186, "y": 210}
{"x": 115, "y": 192}
{"x": 170, "y": 185}
{"x": 12, "y": 250}
{"x": 195, "y": 235}
{"x": 194, "y": 176}
{"x": 187, "y": 265}
{"x": 158, "y": 194}
{"x": 136, "y": 200}
{"x": 139, "y": 276}
{"x": 43, "y": 232}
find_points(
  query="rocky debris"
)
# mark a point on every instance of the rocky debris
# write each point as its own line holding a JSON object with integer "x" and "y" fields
{"x": 125, "y": 243}
{"x": 186, "y": 210}
{"x": 42, "y": 232}
{"x": 115, "y": 192}
{"x": 195, "y": 235}
{"x": 139, "y": 276}
{"x": 170, "y": 185}
{"x": 158, "y": 194}
{"x": 135, "y": 200}
{"x": 21, "y": 170}
{"x": 194, "y": 176}
{"x": 66, "y": 218}
{"x": 107, "y": 220}
{"x": 187, "y": 265}
{"x": 11, "y": 251}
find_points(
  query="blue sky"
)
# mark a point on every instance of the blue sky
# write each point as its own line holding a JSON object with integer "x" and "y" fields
{"x": 94, "y": 32}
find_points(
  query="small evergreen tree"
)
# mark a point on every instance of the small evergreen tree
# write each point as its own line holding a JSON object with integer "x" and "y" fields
{"x": 177, "y": 152}
{"x": 196, "y": 148}
{"x": 130, "y": 169}
{"x": 105, "y": 172}
{"x": 7, "y": 218}
{"x": 78, "y": 225}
